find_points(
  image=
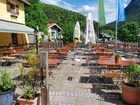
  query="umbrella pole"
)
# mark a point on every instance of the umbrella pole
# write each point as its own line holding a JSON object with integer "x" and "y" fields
{"x": 74, "y": 49}
{"x": 89, "y": 52}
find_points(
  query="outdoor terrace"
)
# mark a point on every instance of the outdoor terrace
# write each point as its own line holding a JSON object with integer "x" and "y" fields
{"x": 85, "y": 80}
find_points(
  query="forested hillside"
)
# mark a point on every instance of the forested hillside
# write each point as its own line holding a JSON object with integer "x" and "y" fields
{"x": 65, "y": 19}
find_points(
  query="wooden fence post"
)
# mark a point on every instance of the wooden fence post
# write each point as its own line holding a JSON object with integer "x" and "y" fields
{"x": 45, "y": 87}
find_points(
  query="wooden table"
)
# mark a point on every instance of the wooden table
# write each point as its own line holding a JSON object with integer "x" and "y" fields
{"x": 53, "y": 62}
{"x": 6, "y": 52}
{"x": 63, "y": 53}
{"x": 100, "y": 53}
{"x": 110, "y": 63}
{"x": 7, "y": 58}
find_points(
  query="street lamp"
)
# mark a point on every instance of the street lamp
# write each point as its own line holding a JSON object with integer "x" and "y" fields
{"x": 36, "y": 32}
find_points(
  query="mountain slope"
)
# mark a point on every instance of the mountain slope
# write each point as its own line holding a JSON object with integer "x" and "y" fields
{"x": 133, "y": 7}
{"x": 132, "y": 12}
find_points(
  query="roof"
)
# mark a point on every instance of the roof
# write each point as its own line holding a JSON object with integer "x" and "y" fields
{"x": 11, "y": 27}
{"x": 106, "y": 35}
{"x": 49, "y": 25}
{"x": 25, "y": 2}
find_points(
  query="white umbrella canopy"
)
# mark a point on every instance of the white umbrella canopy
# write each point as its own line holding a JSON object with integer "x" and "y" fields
{"x": 90, "y": 33}
{"x": 76, "y": 35}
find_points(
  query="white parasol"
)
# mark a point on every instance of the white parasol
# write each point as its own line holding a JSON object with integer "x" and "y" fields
{"x": 76, "y": 35}
{"x": 90, "y": 33}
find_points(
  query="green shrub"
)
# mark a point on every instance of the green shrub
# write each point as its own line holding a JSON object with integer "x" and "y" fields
{"x": 6, "y": 82}
{"x": 129, "y": 32}
{"x": 28, "y": 83}
{"x": 133, "y": 72}
{"x": 33, "y": 59}
{"x": 117, "y": 56}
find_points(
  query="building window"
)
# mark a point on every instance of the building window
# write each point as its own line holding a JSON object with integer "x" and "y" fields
{"x": 12, "y": 8}
{"x": 14, "y": 38}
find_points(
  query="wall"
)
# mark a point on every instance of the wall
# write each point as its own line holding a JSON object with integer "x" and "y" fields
{"x": 22, "y": 39}
{"x": 7, "y": 16}
{"x": 5, "y": 39}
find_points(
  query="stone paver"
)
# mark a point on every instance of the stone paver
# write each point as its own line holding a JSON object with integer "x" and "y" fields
{"x": 72, "y": 92}
{"x": 63, "y": 100}
{"x": 84, "y": 101}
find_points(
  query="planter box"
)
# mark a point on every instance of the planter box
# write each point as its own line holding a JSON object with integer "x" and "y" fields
{"x": 25, "y": 63}
{"x": 23, "y": 101}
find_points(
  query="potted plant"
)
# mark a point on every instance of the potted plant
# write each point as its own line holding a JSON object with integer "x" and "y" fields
{"x": 32, "y": 60}
{"x": 131, "y": 89}
{"x": 7, "y": 88}
{"x": 117, "y": 58}
{"x": 29, "y": 84}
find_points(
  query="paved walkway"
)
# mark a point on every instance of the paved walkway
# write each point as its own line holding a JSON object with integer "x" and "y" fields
{"x": 66, "y": 87}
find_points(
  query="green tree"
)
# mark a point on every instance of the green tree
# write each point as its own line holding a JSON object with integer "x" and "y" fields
{"x": 129, "y": 32}
{"x": 35, "y": 15}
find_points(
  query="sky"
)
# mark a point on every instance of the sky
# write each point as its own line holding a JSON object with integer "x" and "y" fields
{"x": 86, "y": 6}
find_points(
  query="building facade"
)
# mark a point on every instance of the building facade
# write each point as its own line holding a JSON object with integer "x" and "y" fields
{"x": 54, "y": 31}
{"x": 13, "y": 30}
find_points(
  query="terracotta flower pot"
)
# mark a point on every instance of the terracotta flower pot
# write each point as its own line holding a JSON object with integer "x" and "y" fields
{"x": 23, "y": 101}
{"x": 130, "y": 95}
{"x": 116, "y": 60}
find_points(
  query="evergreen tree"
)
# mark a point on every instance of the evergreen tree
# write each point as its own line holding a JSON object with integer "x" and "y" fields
{"x": 35, "y": 15}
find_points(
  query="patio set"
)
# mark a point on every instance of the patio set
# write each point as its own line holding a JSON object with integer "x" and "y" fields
{"x": 105, "y": 65}
{"x": 107, "y": 71}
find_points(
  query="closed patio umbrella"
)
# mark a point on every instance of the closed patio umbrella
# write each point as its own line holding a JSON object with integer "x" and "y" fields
{"x": 90, "y": 33}
{"x": 76, "y": 35}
